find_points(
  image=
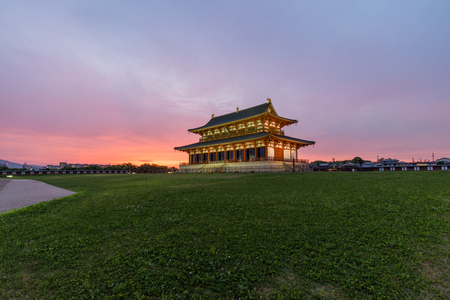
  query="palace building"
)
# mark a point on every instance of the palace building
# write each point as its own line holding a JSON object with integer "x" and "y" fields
{"x": 248, "y": 140}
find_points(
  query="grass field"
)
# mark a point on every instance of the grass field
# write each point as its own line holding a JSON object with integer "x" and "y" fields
{"x": 368, "y": 235}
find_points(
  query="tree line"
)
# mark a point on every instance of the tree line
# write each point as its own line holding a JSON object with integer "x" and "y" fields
{"x": 356, "y": 160}
{"x": 144, "y": 168}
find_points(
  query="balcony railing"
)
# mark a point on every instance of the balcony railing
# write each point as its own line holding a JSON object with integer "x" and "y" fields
{"x": 238, "y": 133}
{"x": 304, "y": 161}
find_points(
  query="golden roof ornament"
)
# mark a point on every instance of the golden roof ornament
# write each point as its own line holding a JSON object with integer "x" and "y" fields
{"x": 212, "y": 116}
{"x": 269, "y": 100}
{"x": 237, "y": 109}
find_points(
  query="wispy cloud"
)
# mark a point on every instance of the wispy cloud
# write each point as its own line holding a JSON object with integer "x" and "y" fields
{"x": 103, "y": 82}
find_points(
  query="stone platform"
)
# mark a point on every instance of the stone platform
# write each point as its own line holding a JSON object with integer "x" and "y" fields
{"x": 245, "y": 167}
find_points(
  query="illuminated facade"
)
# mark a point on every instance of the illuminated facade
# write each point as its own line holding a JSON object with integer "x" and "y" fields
{"x": 248, "y": 139}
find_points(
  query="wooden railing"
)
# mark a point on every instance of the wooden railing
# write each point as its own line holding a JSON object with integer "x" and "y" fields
{"x": 302, "y": 161}
{"x": 238, "y": 133}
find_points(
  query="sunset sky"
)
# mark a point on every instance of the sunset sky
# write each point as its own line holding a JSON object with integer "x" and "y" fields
{"x": 122, "y": 81}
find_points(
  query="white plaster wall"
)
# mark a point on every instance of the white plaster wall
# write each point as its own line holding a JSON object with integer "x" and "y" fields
{"x": 287, "y": 154}
{"x": 294, "y": 152}
{"x": 270, "y": 152}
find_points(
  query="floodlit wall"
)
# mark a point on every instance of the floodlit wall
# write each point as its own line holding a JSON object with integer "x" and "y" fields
{"x": 294, "y": 154}
{"x": 245, "y": 167}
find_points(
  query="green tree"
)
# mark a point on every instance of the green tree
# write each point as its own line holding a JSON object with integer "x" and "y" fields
{"x": 357, "y": 160}
{"x": 147, "y": 168}
{"x": 114, "y": 167}
{"x": 93, "y": 167}
{"x": 129, "y": 166}
{"x": 69, "y": 168}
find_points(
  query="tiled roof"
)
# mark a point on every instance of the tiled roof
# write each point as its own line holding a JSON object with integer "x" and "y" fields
{"x": 235, "y": 116}
{"x": 291, "y": 139}
{"x": 241, "y": 139}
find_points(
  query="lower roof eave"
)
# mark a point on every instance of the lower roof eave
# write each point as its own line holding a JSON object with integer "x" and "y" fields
{"x": 245, "y": 138}
{"x": 292, "y": 139}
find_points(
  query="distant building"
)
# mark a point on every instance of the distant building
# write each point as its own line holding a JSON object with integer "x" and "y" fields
{"x": 389, "y": 162}
{"x": 26, "y": 166}
{"x": 367, "y": 164}
{"x": 445, "y": 160}
{"x": 348, "y": 165}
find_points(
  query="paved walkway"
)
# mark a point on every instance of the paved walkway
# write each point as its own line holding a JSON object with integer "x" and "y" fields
{"x": 17, "y": 193}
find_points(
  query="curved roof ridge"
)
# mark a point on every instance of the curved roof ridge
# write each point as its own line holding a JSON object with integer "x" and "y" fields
{"x": 265, "y": 105}
{"x": 234, "y": 116}
{"x": 238, "y": 115}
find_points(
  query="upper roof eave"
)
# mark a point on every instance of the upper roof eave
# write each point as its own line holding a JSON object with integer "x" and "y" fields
{"x": 234, "y": 117}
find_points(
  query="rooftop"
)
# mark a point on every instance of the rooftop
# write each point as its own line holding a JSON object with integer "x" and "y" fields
{"x": 241, "y": 115}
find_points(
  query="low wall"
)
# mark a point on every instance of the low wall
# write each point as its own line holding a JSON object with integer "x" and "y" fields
{"x": 245, "y": 167}
{"x": 385, "y": 169}
{"x": 61, "y": 172}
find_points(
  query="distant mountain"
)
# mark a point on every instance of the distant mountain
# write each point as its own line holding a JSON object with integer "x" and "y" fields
{"x": 10, "y": 164}
{"x": 13, "y": 165}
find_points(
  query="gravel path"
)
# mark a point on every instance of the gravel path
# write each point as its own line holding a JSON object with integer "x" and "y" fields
{"x": 17, "y": 193}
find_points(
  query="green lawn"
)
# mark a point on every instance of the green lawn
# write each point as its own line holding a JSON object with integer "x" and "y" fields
{"x": 366, "y": 235}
